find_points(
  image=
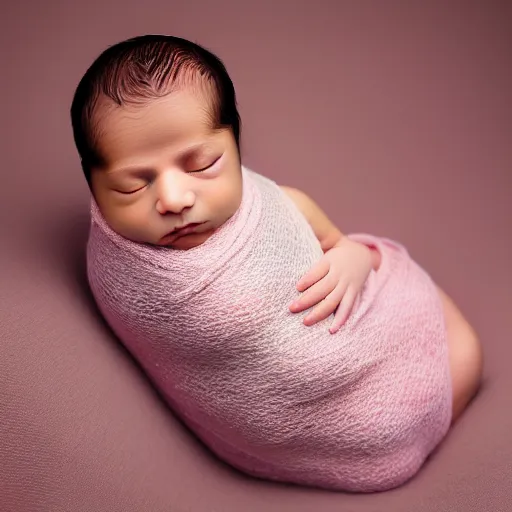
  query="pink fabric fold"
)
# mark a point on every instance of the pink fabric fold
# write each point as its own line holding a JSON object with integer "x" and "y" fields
{"x": 359, "y": 410}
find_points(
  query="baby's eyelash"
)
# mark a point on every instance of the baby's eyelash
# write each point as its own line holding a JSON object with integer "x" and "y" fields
{"x": 207, "y": 167}
{"x": 131, "y": 191}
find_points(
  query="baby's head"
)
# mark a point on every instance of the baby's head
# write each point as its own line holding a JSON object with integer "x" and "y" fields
{"x": 157, "y": 129}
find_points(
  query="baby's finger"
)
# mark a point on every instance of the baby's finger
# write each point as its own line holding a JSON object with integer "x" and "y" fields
{"x": 313, "y": 295}
{"x": 343, "y": 311}
{"x": 317, "y": 272}
{"x": 326, "y": 308}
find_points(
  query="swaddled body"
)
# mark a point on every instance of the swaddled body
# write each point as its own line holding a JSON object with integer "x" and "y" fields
{"x": 358, "y": 410}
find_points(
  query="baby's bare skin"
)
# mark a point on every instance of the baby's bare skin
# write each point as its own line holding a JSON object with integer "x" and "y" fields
{"x": 466, "y": 357}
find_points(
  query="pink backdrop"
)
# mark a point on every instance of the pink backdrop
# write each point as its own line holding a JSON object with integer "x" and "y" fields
{"x": 395, "y": 116}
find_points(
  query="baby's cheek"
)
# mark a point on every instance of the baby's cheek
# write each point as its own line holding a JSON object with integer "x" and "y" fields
{"x": 138, "y": 221}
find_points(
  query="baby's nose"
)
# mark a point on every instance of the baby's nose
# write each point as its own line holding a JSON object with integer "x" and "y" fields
{"x": 174, "y": 197}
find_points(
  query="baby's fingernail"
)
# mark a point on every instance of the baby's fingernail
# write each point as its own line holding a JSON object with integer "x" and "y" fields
{"x": 335, "y": 327}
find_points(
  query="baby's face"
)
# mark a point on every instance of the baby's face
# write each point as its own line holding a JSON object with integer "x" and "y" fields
{"x": 166, "y": 168}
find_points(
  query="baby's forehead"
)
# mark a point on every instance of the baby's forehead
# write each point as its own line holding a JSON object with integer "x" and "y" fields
{"x": 180, "y": 118}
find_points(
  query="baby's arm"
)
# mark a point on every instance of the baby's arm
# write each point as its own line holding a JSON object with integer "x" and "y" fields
{"x": 327, "y": 233}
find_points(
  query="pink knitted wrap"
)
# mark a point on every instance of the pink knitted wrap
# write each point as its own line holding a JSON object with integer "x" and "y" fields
{"x": 359, "y": 410}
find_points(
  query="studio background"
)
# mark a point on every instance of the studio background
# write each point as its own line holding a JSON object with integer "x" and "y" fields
{"x": 395, "y": 116}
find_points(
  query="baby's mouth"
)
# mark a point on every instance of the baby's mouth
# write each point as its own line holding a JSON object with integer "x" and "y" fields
{"x": 187, "y": 229}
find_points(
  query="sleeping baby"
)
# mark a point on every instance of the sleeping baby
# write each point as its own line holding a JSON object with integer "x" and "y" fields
{"x": 296, "y": 353}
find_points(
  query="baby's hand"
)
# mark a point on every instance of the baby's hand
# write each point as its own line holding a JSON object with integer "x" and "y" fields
{"x": 334, "y": 282}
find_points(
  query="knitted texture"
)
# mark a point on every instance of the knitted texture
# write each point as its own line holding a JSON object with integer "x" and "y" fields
{"x": 359, "y": 410}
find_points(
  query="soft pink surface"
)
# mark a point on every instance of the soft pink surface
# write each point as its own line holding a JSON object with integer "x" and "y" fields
{"x": 395, "y": 116}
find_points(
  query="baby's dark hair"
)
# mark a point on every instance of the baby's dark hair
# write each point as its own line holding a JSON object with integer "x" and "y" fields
{"x": 143, "y": 68}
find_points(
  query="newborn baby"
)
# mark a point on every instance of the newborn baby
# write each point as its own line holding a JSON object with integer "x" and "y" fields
{"x": 295, "y": 352}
